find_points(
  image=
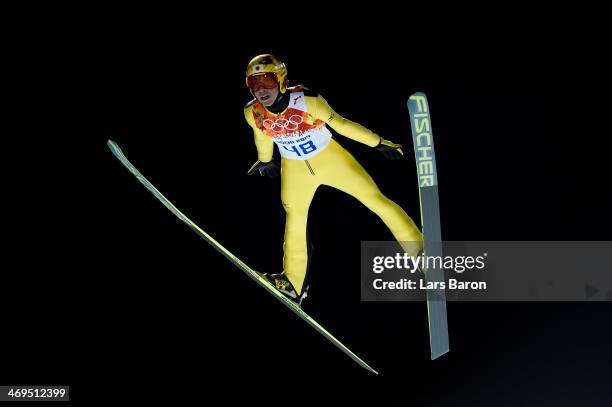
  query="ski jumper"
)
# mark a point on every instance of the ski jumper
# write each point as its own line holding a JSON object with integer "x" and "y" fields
{"x": 310, "y": 158}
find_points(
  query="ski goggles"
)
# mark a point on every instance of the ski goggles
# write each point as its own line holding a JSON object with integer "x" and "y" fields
{"x": 266, "y": 81}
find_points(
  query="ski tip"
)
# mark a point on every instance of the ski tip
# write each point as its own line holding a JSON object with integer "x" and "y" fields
{"x": 416, "y": 98}
{"x": 114, "y": 148}
{"x": 417, "y": 94}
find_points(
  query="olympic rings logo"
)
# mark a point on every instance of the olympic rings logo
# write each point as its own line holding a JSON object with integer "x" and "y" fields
{"x": 280, "y": 124}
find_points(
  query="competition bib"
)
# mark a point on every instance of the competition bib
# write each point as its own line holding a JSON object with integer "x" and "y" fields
{"x": 298, "y": 135}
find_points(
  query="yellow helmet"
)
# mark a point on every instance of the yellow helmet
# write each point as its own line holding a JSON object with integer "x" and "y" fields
{"x": 266, "y": 63}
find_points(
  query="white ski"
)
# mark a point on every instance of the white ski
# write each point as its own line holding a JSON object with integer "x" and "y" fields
{"x": 422, "y": 137}
{"x": 246, "y": 269}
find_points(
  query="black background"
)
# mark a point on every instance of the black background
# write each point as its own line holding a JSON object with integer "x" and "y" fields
{"x": 111, "y": 294}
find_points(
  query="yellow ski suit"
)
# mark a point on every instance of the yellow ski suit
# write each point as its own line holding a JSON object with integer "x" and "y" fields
{"x": 310, "y": 157}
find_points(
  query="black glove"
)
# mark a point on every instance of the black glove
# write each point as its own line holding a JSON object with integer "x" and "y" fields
{"x": 390, "y": 150}
{"x": 271, "y": 169}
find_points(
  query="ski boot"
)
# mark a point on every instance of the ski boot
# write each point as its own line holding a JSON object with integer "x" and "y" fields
{"x": 283, "y": 285}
